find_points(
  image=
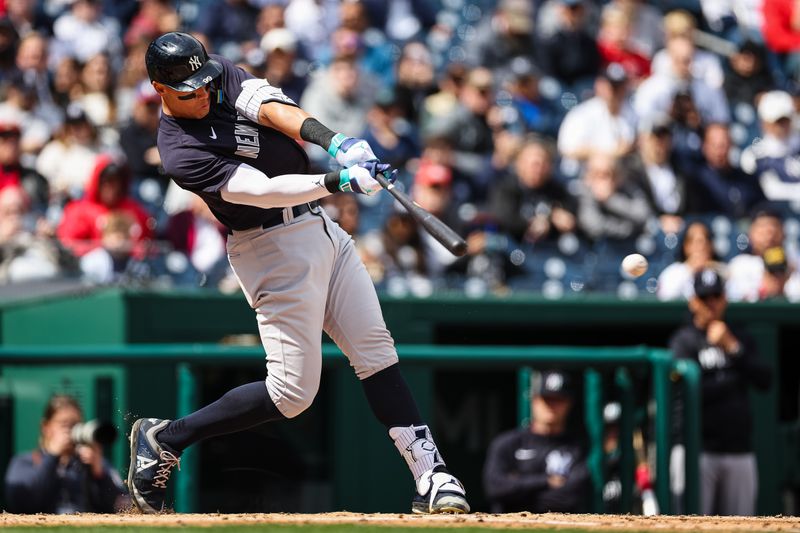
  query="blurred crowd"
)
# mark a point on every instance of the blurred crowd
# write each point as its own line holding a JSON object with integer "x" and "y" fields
{"x": 556, "y": 136}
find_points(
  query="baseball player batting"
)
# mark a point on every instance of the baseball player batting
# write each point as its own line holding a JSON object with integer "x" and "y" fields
{"x": 229, "y": 138}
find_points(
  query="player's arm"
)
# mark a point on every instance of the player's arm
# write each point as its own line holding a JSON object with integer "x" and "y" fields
{"x": 267, "y": 105}
{"x": 249, "y": 186}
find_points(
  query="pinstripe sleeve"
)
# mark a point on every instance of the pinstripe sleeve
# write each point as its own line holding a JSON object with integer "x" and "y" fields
{"x": 256, "y": 92}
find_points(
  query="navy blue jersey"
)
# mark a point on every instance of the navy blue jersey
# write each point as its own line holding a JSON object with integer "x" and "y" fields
{"x": 202, "y": 154}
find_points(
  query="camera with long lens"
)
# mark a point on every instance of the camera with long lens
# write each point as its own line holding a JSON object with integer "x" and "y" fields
{"x": 94, "y": 431}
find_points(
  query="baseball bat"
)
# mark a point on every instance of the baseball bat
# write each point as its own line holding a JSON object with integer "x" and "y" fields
{"x": 438, "y": 229}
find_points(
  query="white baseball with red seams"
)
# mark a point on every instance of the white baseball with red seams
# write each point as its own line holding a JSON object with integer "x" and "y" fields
{"x": 634, "y": 265}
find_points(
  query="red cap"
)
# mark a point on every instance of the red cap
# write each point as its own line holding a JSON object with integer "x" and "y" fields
{"x": 433, "y": 174}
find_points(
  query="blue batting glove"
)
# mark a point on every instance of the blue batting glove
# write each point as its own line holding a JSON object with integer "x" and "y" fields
{"x": 360, "y": 178}
{"x": 350, "y": 151}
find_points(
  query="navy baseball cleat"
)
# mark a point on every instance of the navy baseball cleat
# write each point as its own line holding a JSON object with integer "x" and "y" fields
{"x": 439, "y": 492}
{"x": 151, "y": 465}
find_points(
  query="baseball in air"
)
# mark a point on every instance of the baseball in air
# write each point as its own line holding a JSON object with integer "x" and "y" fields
{"x": 634, "y": 265}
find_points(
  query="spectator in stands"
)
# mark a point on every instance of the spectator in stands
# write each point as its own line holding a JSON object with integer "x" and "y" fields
{"x": 656, "y": 94}
{"x": 196, "y": 233}
{"x": 66, "y": 161}
{"x": 432, "y": 190}
{"x": 392, "y": 138}
{"x": 748, "y": 76}
{"x": 97, "y": 91}
{"x": 26, "y": 17}
{"x": 467, "y": 127}
{"x": 414, "y": 80}
{"x": 83, "y": 32}
{"x": 12, "y": 173}
{"x": 695, "y": 253}
{"x": 506, "y": 35}
{"x": 534, "y": 113}
{"x": 272, "y": 16}
{"x": 32, "y": 57}
{"x": 65, "y": 81}
{"x": 357, "y": 39}
{"x": 138, "y": 138}
{"x": 312, "y": 22}
{"x": 705, "y": 65}
{"x": 21, "y": 105}
{"x": 439, "y": 104}
{"x": 746, "y": 270}
{"x": 647, "y": 26}
{"x": 779, "y": 279}
{"x": 9, "y": 40}
{"x": 61, "y": 476}
{"x": 411, "y": 19}
{"x": 395, "y": 256}
{"x": 570, "y": 55}
{"x": 781, "y": 31}
{"x": 614, "y": 45}
{"x": 9, "y": 155}
{"x": 340, "y": 96}
{"x": 729, "y": 364}
{"x": 153, "y": 18}
{"x": 229, "y": 26}
{"x": 717, "y": 185}
{"x": 608, "y": 206}
{"x": 282, "y": 68}
{"x": 772, "y": 160}
{"x": 27, "y": 250}
{"x": 81, "y": 228}
{"x": 528, "y": 204}
{"x": 687, "y": 125}
{"x": 654, "y": 168}
{"x": 604, "y": 123}
{"x": 540, "y": 468}
{"x": 343, "y": 209}
{"x": 108, "y": 262}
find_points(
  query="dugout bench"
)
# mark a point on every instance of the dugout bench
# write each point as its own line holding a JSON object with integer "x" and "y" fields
{"x": 604, "y": 369}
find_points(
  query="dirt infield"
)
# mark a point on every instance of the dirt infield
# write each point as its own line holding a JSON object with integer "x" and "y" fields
{"x": 498, "y": 521}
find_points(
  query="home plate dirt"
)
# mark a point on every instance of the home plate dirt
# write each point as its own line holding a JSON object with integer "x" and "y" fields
{"x": 499, "y": 521}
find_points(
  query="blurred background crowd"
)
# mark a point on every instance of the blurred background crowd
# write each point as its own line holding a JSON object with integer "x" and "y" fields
{"x": 556, "y": 136}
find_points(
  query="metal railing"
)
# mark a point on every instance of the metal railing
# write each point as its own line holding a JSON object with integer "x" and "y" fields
{"x": 596, "y": 362}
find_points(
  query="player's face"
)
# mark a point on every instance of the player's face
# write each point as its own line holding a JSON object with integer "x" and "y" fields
{"x": 193, "y": 104}
{"x": 551, "y": 409}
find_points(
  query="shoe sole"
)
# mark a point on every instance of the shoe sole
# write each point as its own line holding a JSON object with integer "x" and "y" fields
{"x": 446, "y": 504}
{"x": 137, "y": 500}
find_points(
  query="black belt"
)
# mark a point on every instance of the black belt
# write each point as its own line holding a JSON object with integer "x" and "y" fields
{"x": 297, "y": 210}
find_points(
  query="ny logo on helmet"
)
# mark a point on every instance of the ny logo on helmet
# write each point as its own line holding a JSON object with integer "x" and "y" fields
{"x": 194, "y": 62}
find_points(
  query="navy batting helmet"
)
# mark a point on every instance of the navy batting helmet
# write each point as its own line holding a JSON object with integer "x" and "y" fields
{"x": 180, "y": 61}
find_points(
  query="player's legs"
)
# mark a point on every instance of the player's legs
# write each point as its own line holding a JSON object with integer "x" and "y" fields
{"x": 284, "y": 273}
{"x": 739, "y": 484}
{"x": 709, "y": 482}
{"x": 354, "y": 320}
{"x": 288, "y": 290}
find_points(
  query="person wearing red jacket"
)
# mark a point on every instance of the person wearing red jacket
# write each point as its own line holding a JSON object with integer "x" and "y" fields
{"x": 782, "y": 25}
{"x": 107, "y": 191}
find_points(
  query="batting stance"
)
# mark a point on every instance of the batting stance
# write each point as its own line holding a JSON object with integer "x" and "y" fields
{"x": 229, "y": 138}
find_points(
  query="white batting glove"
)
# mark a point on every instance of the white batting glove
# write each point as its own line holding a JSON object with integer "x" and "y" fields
{"x": 350, "y": 151}
{"x": 360, "y": 178}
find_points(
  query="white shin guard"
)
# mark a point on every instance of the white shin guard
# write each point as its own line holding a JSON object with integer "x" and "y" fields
{"x": 416, "y": 445}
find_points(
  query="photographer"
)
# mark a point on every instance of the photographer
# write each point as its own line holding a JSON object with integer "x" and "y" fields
{"x": 63, "y": 476}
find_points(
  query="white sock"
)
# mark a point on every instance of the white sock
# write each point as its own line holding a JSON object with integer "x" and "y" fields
{"x": 416, "y": 445}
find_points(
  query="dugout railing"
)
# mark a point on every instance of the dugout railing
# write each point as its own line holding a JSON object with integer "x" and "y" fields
{"x": 606, "y": 371}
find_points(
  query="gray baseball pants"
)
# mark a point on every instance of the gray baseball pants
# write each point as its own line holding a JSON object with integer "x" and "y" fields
{"x": 728, "y": 483}
{"x": 302, "y": 277}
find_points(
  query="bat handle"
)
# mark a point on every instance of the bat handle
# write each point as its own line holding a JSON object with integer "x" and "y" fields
{"x": 383, "y": 181}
